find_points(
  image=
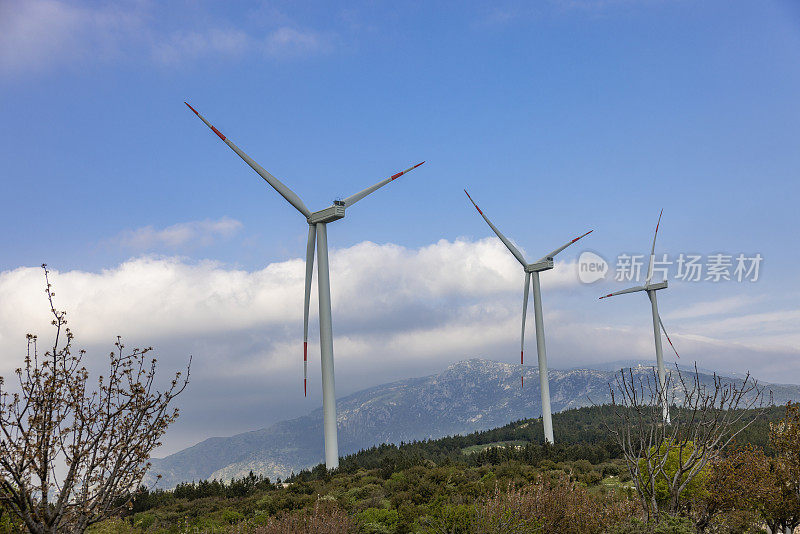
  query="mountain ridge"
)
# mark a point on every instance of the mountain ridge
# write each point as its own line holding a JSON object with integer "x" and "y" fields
{"x": 467, "y": 396}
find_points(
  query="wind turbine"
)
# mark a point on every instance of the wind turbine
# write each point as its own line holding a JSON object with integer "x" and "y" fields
{"x": 658, "y": 324}
{"x": 532, "y": 271}
{"x": 317, "y": 233}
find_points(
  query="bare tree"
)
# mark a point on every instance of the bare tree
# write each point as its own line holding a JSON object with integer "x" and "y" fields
{"x": 667, "y": 460}
{"x": 70, "y": 454}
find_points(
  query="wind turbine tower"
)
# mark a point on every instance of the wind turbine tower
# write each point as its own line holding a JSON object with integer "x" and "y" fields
{"x": 317, "y": 235}
{"x": 658, "y": 324}
{"x": 532, "y": 270}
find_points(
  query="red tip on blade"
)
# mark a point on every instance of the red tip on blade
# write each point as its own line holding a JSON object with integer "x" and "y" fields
{"x": 582, "y": 236}
{"x": 605, "y": 296}
{"x": 473, "y": 203}
{"x": 305, "y": 387}
{"x": 218, "y": 133}
{"x": 522, "y": 381}
{"x": 190, "y": 107}
{"x": 401, "y": 173}
{"x": 673, "y": 346}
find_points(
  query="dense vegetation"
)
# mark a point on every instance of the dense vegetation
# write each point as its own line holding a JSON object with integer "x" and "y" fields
{"x": 499, "y": 480}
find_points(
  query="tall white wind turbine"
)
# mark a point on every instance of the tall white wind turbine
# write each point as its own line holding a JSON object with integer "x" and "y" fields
{"x": 532, "y": 271}
{"x": 317, "y": 233}
{"x": 658, "y": 324}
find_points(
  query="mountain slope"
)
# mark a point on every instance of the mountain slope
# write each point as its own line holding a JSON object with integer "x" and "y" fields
{"x": 468, "y": 396}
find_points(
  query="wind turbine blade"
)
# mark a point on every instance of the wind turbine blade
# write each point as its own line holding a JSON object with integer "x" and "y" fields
{"x": 312, "y": 236}
{"x": 668, "y": 339}
{"x": 352, "y": 199}
{"x": 653, "y": 250}
{"x": 517, "y": 254}
{"x": 556, "y": 251}
{"x": 522, "y": 337}
{"x": 276, "y": 184}
{"x": 629, "y": 290}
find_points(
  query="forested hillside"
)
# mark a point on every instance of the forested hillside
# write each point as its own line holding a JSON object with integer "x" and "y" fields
{"x": 429, "y": 486}
{"x": 468, "y": 396}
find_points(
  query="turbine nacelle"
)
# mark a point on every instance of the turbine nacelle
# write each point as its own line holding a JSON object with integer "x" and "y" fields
{"x": 656, "y": 287}
{"x": 647, "y": 287}
{"x": 542, "y": 265}
{"x": 333, "y": 213}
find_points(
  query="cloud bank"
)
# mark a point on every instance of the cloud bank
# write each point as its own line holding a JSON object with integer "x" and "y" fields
{"x": 36, "y": 35}
{"x": 185, "y": 234}
{"x": 397, "y": 312}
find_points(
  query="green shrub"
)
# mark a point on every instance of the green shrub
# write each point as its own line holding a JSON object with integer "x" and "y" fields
{"x": 451, "y": 518}
{"x": 695, "y": 488}
{"x": 232, "y": 516}
{"x": 109, "y": 526}
{"x": 378, "y": 521}
{"x": 610, "y": 470}
{"x": 144, "y": 521}
{"x": 582, "y": 466}
{"x": 667, "y": 525}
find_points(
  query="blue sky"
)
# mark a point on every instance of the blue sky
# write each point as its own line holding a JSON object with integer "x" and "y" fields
{"x": 559, "y": 116}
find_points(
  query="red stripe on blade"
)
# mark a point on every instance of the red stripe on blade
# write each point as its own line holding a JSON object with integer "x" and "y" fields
{"x": 218, "y": 133}
{"x": 305, "y": 351}
{"x": 673, "y": 346}
{"x": 582, "y": 236}
{"x": 473, "y": 202}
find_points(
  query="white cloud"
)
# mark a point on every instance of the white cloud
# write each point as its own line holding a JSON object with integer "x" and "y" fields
{"x": 460, "y": 298}
{"x": 37, "y": 34}
{"x": 397, "y": 312}
{"x": 712, "y": 307}
{"x": 192, "y": 233}
{"x": 292, "y": 42}
{"x": 183, "y": 46}
{"x": 281, "y": 43}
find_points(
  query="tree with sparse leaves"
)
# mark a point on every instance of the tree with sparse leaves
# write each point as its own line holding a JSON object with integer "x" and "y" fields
{"x": 740, "y": 486}
{"x": 666, "y": 459}
{"x": 783, "y": 512}
{"x": 72, "y": 454}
